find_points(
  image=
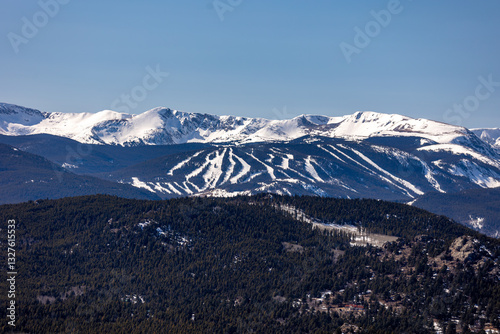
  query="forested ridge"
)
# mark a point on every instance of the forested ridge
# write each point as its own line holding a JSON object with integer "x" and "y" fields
{"x": 97, "y": 264}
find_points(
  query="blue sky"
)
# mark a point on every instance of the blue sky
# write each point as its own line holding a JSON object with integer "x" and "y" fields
{"x": 429, "y": 59}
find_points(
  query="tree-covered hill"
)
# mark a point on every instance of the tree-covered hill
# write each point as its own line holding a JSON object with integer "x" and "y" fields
{"x": 98, "y": 264}
{"x": 25, "y": 176}
{"x": 477, "y": 208}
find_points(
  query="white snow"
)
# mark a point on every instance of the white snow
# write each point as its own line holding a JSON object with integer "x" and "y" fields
{"x": 201, "y": 168}
{"x": 185, "y": 187}
{"x": 145, "y": 224}
{"x": 214, "y": 171}
{"x": 479, "y": 175}
{"x": 171, "y": 186}
{"x": 460, "y": 150}
{"x": 429, "y": 175}
{"x": 412, "y": 202}
{"x": 244, "y": 170}
{"x": 477, "y": 223}
{"x": 253, "y": 176}
{"x": 68, "y": 165}
{"x": 311, "y": 170}
{"x": 158, "y": 187}
{"x": 225, "y": 193}
{"x": 230, "y": 169}
{"x": 359, "y": 237}
{"x": 203, "y": 171}
{"x": 285, "y": 163}
{"x": 369, "y": 124}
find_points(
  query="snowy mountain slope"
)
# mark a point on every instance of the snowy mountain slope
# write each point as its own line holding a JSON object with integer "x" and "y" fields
{"x": 163, "y": 126}
{"x": 16, "y": 120}
{"x": 310, "y": 165}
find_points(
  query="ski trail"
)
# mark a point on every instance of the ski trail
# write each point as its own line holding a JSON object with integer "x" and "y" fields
{"x": 186, "y": 183}
{"x": 230, "y": 169}
{"x": 160, "y": 188}
{"x": 245, "y": 170}
{"x": 139, "y": 184}
{"x": 311, "y": 170}
{"x": 182, "y": 163}
{"x": 332, "y": 154}
{"x": 184, "y": 187}
{"x": 270, "y": 170}
{"x": 429, "y": 176}
{"x": 404, "y": 183}
{"x": 372, "y": 172}
{"x": 214, "y": 171}
{"x": 270, "y": 159}
{"x": 348, "y": 157}
{"x": 174, "y": 189}
{"x": 201, "y": 168}
{"x": 285, "y": 163}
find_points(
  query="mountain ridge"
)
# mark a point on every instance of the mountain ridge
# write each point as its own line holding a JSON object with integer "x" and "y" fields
{"x": 165, "y": 126}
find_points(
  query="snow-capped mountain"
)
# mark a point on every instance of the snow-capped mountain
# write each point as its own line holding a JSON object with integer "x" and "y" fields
{"x": 491, "y": 136}
{"x": 164, "y": 126}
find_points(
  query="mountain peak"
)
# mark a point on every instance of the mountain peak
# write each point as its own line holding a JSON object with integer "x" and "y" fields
{"x": 11, "y": 109}
{"x": 111, "y": 114}
{"x": 489, "y": 135}
{"x": 373, "y": 116}
{"x": 160, "y": 111}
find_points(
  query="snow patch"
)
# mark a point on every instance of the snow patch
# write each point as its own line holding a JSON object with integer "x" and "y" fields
{"x": 68, "y": 166}
{"x": 476, "y": 223}
{"x": 139, "y": 184}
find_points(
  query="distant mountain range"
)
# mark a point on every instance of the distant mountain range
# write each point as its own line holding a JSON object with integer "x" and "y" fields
{"x": 168, "y": 153}
{"x": 491, "y": 136}
{"x": 164, "y": 126}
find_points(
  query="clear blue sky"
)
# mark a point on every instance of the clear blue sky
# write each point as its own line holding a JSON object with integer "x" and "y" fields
{"x": 264, "y": 59}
